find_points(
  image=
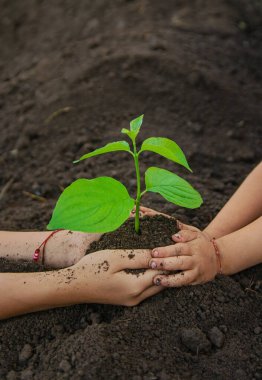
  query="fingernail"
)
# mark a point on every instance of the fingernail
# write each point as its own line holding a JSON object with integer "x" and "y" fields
{"x": 177, "y": 236}
{"x": 157, "y": 281}
{"x": 153, "y": 265}
{"x": 155, "y": 253}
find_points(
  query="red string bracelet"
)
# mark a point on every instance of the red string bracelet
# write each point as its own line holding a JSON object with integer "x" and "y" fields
{"x": 37, "y": 251}
{"x": 217, "y": 252}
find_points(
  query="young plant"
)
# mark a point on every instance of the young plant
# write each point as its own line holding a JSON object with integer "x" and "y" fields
{"x": 103, "y": 204}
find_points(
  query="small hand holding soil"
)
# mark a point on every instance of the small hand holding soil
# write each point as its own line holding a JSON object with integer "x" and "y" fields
{"x": 193, "y": 256}
{"x": 101, "y": 277}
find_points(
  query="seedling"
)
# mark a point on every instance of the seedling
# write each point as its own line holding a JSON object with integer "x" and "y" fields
{"x": 103, "y": 204}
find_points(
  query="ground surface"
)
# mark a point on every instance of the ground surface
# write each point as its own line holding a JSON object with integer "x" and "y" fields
{"x": 72, "y": 74}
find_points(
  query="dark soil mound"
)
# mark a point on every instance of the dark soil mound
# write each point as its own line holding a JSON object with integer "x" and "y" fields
{"x": 197, "y": 332}
{"x": 72, "y": 74}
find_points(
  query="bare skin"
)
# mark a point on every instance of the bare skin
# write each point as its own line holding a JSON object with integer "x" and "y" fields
{"x": 96, "y": 278}
{"x": 63, "y": 249}
{"x": 237, "y": 229}
{"x": 100, "y": 277}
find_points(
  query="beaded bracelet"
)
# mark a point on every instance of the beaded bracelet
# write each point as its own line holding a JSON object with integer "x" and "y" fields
{"x": 37, "y": 251}
{"x": 217, "y": 252}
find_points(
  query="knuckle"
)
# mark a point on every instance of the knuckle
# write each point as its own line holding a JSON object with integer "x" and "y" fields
{"x": 170, "y": 281}
{"x": 178, "y": 249}
{"x": 180, "y": 260}
{"x": 163, "y": 264}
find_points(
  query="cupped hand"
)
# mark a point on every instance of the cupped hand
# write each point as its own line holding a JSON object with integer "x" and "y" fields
{"x": 103, "y": 277}
{"x": 68, "y": 247}
{"x": 193, "y": 256}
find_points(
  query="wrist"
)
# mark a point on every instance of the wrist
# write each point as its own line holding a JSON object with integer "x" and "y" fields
{"x": 226, "y": 265}
{"x": 66, "y": 287}
{"x": 212, "y": 232}
{"x": 82, "y": 283}
{"x": 216, "y": 249}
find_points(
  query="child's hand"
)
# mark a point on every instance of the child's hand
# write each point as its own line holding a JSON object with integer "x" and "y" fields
{"x": 101, "y": 277}
{"x": 193, "y": 256}
{"x": 188, "y": 233}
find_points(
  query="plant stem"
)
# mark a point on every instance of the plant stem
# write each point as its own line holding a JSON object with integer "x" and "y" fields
{"x": 138, "y": 191}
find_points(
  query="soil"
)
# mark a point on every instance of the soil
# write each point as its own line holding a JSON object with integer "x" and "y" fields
{"x": 72, "y": 74}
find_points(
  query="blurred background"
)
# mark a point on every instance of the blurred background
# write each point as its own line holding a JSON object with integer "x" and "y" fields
{"x": 73, "y": 73}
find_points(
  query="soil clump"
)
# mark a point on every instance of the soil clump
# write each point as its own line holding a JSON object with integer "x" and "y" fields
{"x": 71, "y": 76}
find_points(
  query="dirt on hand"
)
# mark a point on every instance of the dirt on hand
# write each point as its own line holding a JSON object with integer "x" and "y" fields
{"x": 71, "y": 76}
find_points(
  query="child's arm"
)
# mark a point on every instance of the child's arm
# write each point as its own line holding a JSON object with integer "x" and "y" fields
{"x": 63, "y": 249}
{"x": 243, "y": 207}
{"x": 97, "y": 278}
{"x": 197, "y": 259}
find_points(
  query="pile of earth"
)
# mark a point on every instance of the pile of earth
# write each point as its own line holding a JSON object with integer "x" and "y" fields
{"x": 71, "y": 76}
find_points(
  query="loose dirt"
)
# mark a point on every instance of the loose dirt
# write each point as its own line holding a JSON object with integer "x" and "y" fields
{"x": 72, "y": 74}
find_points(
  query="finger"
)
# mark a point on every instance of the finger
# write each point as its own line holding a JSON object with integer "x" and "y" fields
{"x": 143, "y": 280}
{"x": 147, "y": 209}
{"x": 147, "y": 277}
{"x": 150, "y": 212}
{"x": 131, "y": 259}
{"x": 133, "y": 213}
{"x": 176, "y": 280}
{"x": 94, "y": 236}
{"x": 151, "y": 291}
{"x": 183, "y": 226}
{"x": 185, "y": 236}
{"x": 172, "y": 263}
{"x": 179, "y": 249}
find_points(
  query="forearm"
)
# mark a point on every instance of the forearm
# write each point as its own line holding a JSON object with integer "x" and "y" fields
{"x": 244, "y": 207}
{"x": 62, "y": 250}
{"x": 241, "y": 249}
{"x": 29, "y": 292}
{"x": 20, "y": 245}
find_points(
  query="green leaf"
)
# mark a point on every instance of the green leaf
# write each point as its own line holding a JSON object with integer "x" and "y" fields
{"x": 166, "y": 148}
{"x": 111, "y": 147}
{"x": 172, "y": 187}
{"x": 134, "y": 128}
{"x": 130, "y": 134}
{"x": 135, "y": 124}
{"x": 97, "y": 205}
